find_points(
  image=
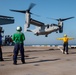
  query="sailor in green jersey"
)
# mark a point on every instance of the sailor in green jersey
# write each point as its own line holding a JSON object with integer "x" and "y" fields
{"x": 18, "y": 39}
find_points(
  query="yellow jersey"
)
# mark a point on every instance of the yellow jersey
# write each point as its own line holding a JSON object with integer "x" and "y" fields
{"x": 65, "y": 39}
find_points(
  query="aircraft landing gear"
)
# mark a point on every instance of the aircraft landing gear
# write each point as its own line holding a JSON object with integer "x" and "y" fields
{"x": 37, "y": 34}
{"x": 56, "y": 31}
{"x": 46, "y": 35}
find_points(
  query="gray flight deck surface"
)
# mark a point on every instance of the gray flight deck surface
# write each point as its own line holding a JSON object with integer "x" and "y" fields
{"x": 39, "y": 61}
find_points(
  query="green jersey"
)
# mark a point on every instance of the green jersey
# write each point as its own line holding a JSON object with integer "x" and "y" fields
{"x": 18, "y": 37}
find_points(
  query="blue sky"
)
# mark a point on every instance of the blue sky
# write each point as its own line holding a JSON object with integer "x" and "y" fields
{"x": 45, "y": 8}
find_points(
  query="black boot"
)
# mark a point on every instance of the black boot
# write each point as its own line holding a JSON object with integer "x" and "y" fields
{"x": 1, "y": 60}
{"x": 15, "y": 63}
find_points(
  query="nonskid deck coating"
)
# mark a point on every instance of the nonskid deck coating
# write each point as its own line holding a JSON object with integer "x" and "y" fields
{"x": 39, "y": 61}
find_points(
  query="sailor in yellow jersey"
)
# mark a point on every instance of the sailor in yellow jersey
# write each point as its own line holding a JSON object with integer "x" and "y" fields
{"x": 65, "y": 43}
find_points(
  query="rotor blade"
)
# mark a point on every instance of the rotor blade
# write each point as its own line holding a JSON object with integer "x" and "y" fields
{"x": 36, "y": 15}
{"x": 60, "y": 19}
{"x": 31, "y": 6}
{"x": 51, "y": 18}
{"x": 21, "y": 11}
{"x": 24, "y": 11}
{"x": 66, "y": 18}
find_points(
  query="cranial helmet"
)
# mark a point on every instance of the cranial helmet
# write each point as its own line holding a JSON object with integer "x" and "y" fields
{"x": 19, "y": 28}
{"x": 65, "y": 35}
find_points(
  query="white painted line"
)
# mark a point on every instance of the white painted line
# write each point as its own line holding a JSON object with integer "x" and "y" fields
{"x": 60, "y": 49}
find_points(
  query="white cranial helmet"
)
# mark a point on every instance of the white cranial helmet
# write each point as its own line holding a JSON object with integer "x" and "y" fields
{"x": 65, "y": 35}
{"x": 19, "y": 28}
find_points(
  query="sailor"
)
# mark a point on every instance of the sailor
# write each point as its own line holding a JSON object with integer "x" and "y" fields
{"x": 65, "y": 43}
{"x": 1, "y": 57}
{"x": 18, "y": 39}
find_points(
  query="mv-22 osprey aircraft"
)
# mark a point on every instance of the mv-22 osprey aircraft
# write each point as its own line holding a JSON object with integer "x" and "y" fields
{"x": 42, "y": 29}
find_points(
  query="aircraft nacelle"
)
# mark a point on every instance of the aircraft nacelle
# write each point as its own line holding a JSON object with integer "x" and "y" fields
{"x": 60, "y": 24}
{"x": 60, "y": 29}
{"x": 27, "y": 20}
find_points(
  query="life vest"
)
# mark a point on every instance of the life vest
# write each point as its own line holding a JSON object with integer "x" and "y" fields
{"x": 65, "y": 39}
